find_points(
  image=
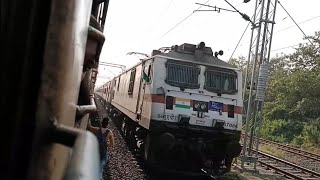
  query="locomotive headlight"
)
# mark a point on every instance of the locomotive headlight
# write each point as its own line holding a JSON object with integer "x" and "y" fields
{"x": 197, "y": 105}
{"x": 203, "y": 106}
{"x": 200, "y": 106}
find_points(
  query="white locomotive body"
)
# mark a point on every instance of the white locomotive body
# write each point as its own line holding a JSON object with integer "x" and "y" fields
{"x": 185, "y": 100}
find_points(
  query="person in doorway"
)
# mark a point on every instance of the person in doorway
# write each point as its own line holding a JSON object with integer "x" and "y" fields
{"x": 106, "y": 141}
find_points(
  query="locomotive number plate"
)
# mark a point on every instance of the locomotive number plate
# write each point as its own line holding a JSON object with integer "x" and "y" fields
{"x": 200, "y": 122}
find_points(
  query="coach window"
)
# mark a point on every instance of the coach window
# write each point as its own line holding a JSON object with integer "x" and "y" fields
{"x": 114, "y": 83}
{"x": 148, "y": 69}
{"x": 131, "y": 82}
{"x": 118, "y": 83}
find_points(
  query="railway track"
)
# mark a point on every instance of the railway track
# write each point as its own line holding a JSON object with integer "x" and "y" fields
{"x": 286, "y": 168}
{"x": 292, "y": 150}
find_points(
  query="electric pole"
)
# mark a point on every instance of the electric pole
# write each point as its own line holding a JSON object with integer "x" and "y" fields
{"x": 255, "y": 81}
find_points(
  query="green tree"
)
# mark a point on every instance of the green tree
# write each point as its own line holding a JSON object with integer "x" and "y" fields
{"x": 240, "y": 62}
{"x": 307, "y": 56}
{"x": 291, "y": 109}
{"x": 311, "y": 133}
{"x": 281, "y": 130}
{"x": 293, "y": 95}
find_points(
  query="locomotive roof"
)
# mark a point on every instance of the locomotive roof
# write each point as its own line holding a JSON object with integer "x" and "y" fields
{"x": 188, "y": 53}
{"x": 191, "y": 53}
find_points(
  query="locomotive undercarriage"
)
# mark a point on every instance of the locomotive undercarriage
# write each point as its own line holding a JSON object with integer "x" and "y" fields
{"x": 181, "y": 148}
{"x": 193, "y": 147}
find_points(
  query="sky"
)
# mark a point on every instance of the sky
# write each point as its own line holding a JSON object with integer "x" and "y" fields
{"x": 143, "y": 25}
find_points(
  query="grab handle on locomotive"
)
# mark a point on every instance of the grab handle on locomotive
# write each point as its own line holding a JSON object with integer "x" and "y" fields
{"x": 84, "y": 161}
{"x": 84, "y": 109}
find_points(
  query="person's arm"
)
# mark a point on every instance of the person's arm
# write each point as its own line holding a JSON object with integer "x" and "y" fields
{"x": 110, "y": 139}
{"x": 91, "y": 128}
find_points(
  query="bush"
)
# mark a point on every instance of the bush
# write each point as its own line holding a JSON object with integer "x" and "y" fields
{"x": 281, "y": 130}
{"x": 299, "y": 140}
{"x": 311, "y": 133}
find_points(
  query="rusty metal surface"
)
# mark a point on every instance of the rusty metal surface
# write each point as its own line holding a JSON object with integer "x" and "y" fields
{"x": 60, "y": 81}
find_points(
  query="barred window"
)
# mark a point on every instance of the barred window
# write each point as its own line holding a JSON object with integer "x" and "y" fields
{"x": 119, "y": 83}
{"x": 220, "y": 80}
{"x": 131, "y": 82}
{"x": 183, "y": 75}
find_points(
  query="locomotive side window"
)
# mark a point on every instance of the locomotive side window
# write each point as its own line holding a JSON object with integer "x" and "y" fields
{"x": 220, "y": 80}
{"x": 182, "y": 75}
{"x": 131, "y": 82}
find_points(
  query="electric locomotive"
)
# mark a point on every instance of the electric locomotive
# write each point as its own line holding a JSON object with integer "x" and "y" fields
{"x": 181, "y": 106}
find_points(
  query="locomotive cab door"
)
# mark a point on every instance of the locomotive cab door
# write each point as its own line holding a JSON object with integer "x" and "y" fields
{"x": 144, "y": 102}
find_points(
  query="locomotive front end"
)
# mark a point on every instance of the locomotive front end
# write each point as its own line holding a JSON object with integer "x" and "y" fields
{"x": 196, "y": 110}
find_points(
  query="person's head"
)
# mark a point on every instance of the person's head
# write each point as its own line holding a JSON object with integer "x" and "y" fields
{"x": 105, "y": 122}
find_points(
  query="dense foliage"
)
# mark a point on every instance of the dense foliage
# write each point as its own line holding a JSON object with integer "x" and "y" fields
{"x": 292, "y": 106}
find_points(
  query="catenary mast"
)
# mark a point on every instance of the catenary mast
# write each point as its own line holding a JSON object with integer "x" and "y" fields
{"x": 255, "y": 81}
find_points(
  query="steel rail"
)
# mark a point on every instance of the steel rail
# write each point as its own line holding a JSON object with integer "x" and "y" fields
{"x": 287, "y": 163}
{"x": 293, "y": 150}
{"x": 312, "y": 155}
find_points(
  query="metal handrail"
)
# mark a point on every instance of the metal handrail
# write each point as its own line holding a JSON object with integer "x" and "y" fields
{"x": 84, "y": 109}
{"x": 84, "y": 163}
{"x": 96, "y": 34}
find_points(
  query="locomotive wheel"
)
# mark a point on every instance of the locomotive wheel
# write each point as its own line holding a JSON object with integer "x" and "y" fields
{"x": 147, "y": 150}
{"x": 124, "y": 128}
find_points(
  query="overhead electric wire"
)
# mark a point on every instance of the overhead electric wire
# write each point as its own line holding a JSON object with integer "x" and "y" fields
{"x": 112, "y": 72}
{"x": 168, "y": 6}
{"x": 182, "y": 21}
{"x": 294, "y": 21}
{"x": 285, "y": 47}
{"x": 239, "y": 41}
{"x": 244, "y": 16}
{"x": 288, "y": 28}
{"x": 298, "y": 23}
{"x": 215, "y": 8}
{"x": 104, "y": 77}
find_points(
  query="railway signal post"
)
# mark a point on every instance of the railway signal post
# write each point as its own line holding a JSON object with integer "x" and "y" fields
{"x": 256, "y": 79}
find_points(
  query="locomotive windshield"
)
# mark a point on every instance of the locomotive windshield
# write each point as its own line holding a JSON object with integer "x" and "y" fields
{"x": 220, "y": 80}
{"x": 183, "y": 75}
